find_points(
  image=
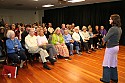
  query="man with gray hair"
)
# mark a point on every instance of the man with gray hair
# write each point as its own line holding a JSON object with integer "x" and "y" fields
{"x": 32, "y": 46}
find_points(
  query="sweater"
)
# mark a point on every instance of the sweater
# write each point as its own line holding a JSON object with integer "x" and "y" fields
{"x": 113, "y": 36}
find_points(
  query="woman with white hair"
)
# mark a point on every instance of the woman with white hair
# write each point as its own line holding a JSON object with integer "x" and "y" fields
{"x": 14, "y": 48}
{"x": 86, "y": 40}
{"x": 59, "y": 43}
{"x": 76, "y": 37}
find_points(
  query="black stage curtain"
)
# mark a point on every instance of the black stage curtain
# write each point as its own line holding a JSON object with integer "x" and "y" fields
{"x": 91, "y": 14}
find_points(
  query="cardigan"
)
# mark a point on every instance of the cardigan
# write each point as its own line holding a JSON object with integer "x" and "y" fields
{"x": 57, "y": 39}
{"x": 10, "y": 44}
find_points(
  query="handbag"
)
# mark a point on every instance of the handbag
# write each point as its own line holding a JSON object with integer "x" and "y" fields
{"x": 11, "y": 71}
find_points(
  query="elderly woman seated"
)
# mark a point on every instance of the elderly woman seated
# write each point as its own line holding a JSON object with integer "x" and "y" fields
{"x": 77, "y": 40}
{"x": 59, "y": 43}
{"x": 69, "y": 42}
{"x": 14, "y": 49}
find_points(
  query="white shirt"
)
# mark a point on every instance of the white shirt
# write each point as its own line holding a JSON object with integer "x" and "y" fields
{"x": 30, "y": 41}
{"x": 86, "y": 34}
{"x": 50, "y": 29}
{"x": 76, "y": 36}
{"x": 41, "y": 39}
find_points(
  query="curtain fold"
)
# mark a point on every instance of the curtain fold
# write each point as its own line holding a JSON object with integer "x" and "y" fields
{"x": 91, "y": 14}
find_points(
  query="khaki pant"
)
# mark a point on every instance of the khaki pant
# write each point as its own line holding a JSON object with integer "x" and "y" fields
{"x": 43, "y": 53}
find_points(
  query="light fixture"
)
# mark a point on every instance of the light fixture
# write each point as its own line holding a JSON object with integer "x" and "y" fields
{"x": 74, "y": 1}
{"x": 35, "y": 0}
{"x": 49, "y": 5}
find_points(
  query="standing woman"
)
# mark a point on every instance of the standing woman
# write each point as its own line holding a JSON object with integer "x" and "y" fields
{"x": 110, "y": 58}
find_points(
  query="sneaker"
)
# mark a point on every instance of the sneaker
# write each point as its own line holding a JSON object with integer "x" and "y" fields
{"x": 88, "y": 52}
{"x": 80, "y": 53}
{"x": 21, "y": 64}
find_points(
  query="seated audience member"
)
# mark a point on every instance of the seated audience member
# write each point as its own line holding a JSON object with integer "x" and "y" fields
{"x": 68, "y": 41}
{"x": 46, "y": 33}
{"x": 21, "y": 30}
{"x": 81, "y": 39}
{"x": 103, "y": 31}
{"x": 32, "y": 46}
{"x": 59, "y": 43}
{"x": 24, "y": 34}
{"x": 97, "y": 37}
{"x": 14, "y": 48}
{"x": 86, "y": 38}
{"x": 76, "y": 37}
{"x": 73, "y": 25}
{"x": 43, "y": 43}
{"x": 50, "y": 29}
{"x": 91, "y": 38}
{"x": 1, "y": 47}
{"x": 43, "y": 25}
{"x": 13, "y": 27}
{"x": 63, "y": 28}
{"x": 70, "y": 30}
{"x": 103, "y": 34}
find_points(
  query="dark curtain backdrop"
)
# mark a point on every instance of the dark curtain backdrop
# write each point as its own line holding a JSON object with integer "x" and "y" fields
{"x": 91, "y": 14}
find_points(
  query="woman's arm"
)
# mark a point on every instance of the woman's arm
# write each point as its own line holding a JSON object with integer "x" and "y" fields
{"x": 108, "y": 35}
{"x": 9, "y": 44}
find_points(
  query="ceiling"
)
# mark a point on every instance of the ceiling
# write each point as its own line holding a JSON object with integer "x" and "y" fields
{"x": 37, "y": 5}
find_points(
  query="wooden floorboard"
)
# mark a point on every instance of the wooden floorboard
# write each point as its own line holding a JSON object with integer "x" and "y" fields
{"x": 81, "y": 69}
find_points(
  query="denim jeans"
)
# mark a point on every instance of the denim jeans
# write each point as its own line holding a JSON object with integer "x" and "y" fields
{"x": 109, "y": 74}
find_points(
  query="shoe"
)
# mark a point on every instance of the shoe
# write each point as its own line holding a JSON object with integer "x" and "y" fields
{"x": 69, "y": 58}
{"x": 88, "y": 52}
{"x": 55, "y": 59}
{"x": 60, "y": 57}
{"x": 80, "y": 53}
{"x": 21, "y": 64}
{"x": 52, "y": 61}
{"x": 46, "y": 66}
{"x": 71, "y": 54}
{"x": 103, "y": 81}
{"x": 114, "y": 81}
{"x": 93, "y": 49}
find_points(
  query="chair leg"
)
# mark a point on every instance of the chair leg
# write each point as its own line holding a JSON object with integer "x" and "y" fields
{"x": 31, "y": 59}
{"x": 26, "y": 63}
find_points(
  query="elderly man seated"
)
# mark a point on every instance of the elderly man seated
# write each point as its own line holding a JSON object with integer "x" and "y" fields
{"x": 32, "y": 46}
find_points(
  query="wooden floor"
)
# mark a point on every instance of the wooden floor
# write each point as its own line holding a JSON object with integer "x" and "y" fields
{"x": 81, "y": 69}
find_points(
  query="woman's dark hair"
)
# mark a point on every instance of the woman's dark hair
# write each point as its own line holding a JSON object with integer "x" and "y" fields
{"x": 28, "y": 26}
{"x": 116, "y": 20}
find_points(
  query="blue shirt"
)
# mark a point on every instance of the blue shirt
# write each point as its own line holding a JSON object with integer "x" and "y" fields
{"x": 10, "y": 44}
{"x": 67, "y": 38}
